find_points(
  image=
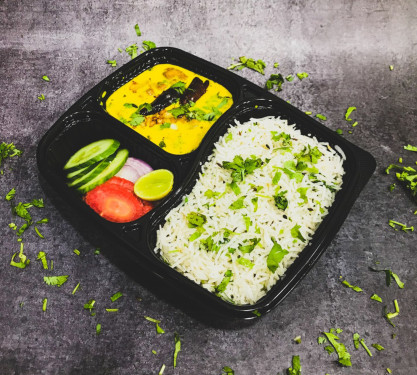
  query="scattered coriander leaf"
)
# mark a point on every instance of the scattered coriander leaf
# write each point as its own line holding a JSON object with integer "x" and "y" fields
{"x": 321, "y": 340}
{"x": 98, "y": 328}
{"x": 44, "y": 303}
{"x": 8, "y": 150}
{"x": 227, "y": 371}
{"x": 23, "y": 259}
{"x": 138, "y": 32}
{"x": 297, "y": 339}
{"x": 41, "y": 97}
{"x": 339, "y": 131}
{"x": 10, "y": 195}
{"x": 355, "y": 288}
{"x": 343, "y": 354}
{"x": 113, "y": 63}
{"x": 55, "y": 280}
{"x": 349, "y": 112}
{"x": 321, "y": 117}
{"x": 161, "y": 371}
{"x": 46, "y": 78}
{"x": 77, "y": 252}
{"x": 116, "y": 296}
{"x": 391, "y": 67}
{"x": 403, "y": 227}
{"x": 295, "y": 233}
{"x": 378, "y": 347}
{"x": 112, "y": 310}
{"x": 177, "y": 347}
{"x": 38, "y": 233}
{"x": 42, "y": 258}
{"x": 76, "y": 288}
{"x": 90, "y": 305}
{"x": 275, "y": 80}
{"x": 132, "y": 50}
{"x": 244, "y": 62}
{"x": 289, "y": 78}
{"x": 147, "y": 45}
{"x": 256, "y": 313}
{"x": 375, "y": 297}
{"x": 302, "y": 75}
{"x": 388, "y": 275}
{"x": 275, "y": 256}
{"x": 362, "y": 341}
{"x": 410, "y": 148}
{"x": 356, "y": 338}
{"x": 226, "y": 279}
{"x": 295, "y": 369}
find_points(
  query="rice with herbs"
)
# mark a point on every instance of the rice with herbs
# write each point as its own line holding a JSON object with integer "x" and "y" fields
{"x": 256, "y": 205}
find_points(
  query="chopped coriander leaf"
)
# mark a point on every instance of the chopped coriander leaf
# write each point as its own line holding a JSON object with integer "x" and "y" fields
{"x": 113, "y": 63}
{"x": 228, "y": 137}
{"x": 308, "y": 112}
{"x": 44, "y": 303}
{"x": 245, "y": 262}
{"x": 226, "y": 370}
{"x": 321, "y": 117}
{"x": 375, "y": 297}
{"x": 321, "y": 340}
{"x": 297, "y": 339}
{"x": 388, "y": 369}
{"x": 97, "y": 251}
{"x": 77, "y": 252}
{"x": 378, "y": 347}
{"x": 147, "y": 45}
{"x": 329, "y": 349}
{"x": 177, "y": 347}
{"x": 410, "y": 148}
{"x": 165, "y": 125}
{"x": 159, "y": 330}
{"x": 23, "y": 259}
{"x": 42, "y": 221}
{"x": 154, "y": 351}
{"x": 8, "y": 150}
{"x": 339, "y": 131}
{"x": 356, "y": 338}
{"x": 289, "y": 77}
{"x": 130, "y": 105}
{"x": 152, "y": 319}
{"x": 276, "y": 65}
{"x": 408, "y": 176}
{"x": 355, "y": 124}
{"x": 116, "y": 296}
{"x": 42, "y": 258}
{"x": 132, "y": 50}
{"x": 249, "y": 248}
{"x": 162, "y": 144}
{"x": 355, "y": 288}
{"x": 389, "y": 316}
{"x": 38, "y": 233}
{"x": 196, "y": 220}
{"x": 136, "y": 119}
{"x": 98, "y": 328}
{"x": 275, "y": 256}
{"x": 238, "y": 204}
{"x": 240, "y": 168}
{"x": 138, "y": 32}
{"x": 256, "y": 312}
{"x": 112, "y": 310}
{"x": 362, "y": 341}
{"x": 388, "y": 275}
{"x": 41, "y": 97}
{"x": 295, "y": 233}
{"x": 10, "y": 195}
{"x": 404, "y": 228}
{"x": 76, "y": 288}
{"x": 55, "y": 280}
{"x": 391, "y": 67}
{"x": 46, "y": 78}
{"x": 392, "y": 187}
{"x": 302, "y": 75}
{"x": 275, "y": 80}
{"x": 226, "y": 279}
{"x": 281, "y": 202}
{"x": 295, "y": 369}
{"x": 349, "y": 112}
{"x": 90, "y": 305}
{"x": 244, "y": 62}
{"x": 343, "y": 354}
{"x": 161, "y": 371}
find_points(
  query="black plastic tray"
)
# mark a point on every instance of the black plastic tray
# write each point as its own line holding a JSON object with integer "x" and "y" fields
{"x": 87, "y": 121}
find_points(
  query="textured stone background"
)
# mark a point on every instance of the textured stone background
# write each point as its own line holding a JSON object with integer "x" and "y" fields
{"x": 346, "y": 46}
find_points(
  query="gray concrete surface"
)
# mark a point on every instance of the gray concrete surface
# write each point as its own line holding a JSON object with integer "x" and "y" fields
{"x": 346, "y": 46}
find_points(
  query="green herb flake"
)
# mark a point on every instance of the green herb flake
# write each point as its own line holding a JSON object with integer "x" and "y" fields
{"x": 245, "y": 62}
{"x": 46, "y": 78}
{"x": 162, "y": 144}
{"x": 245, "y": 262}
{"x": 378, "y": 347}
{"x": 255, "y": 204}
{"x": 276, "y": 65}
{"x": 161, "y": 371}
{"x": 23, "y": 259}
{"x": 113, "y": 63}
{"x": 297, "y": 340}
{"x": 395, "y": 224}
{"x": 165, "y": 125}
{"x": 177, "y": 347}
{"x": 295, "y": 233}
{"x": 275, "y": 80}
{"x": 355, "y": 288}
{"x": 132, "y": 50}
{"x": 321, "y": 340}
{"x": 112, "y": 310}
{"x": 147, "y": 45}
{"x": 356, "y": 338}
{"x": 388, "y": 275}
{"x": 349, "y": 112}
{"x": 343, "y": 354}
{"x": 97, "y": 251}
{"x": 77, "y": 252}
{"x": 410, "y": 148}
{"x": 42, "y": 258}
{"x": 98, "y": 328}
{"x": 354, "y": 124}
{"x": 390, "y": 316}
{"x": 137, "y": 29}
{"x": 10, "y": 195}
{"x": 154, "y": 351}
{"x": 238, "y": 204}
{"x": 321, "y": 117}
{"x": 281, "y": 202}
{"x": 44, "y": 303}
{"x": 375, "y": 297}
{"x": 226, "y": 279}
{"x": 41, "y": 97}
{"x": 43, "y": 221}
{"x": 295, "y": 368}
{"x": 275, "y": 256}
{"x": 289, "y": 78}
{"x": 76, "y": 288}
{"x": 240, "y": 168}
{"x": 55, "y": 280}
{"x": 256, "y": 313}
{"x": 228, "y": 137}
{"x": 339, "y": 131}
{"x": 90, "y": 305}
{"x": 308, "y": 112}
{"x": 362, "y": 341}
{"x": 116, "y": 296}
{"x": 8, "y": 150}
{"x": 226, "y": 370}
{"x": 391, "y": 67}
{"x": 388, "y": 369}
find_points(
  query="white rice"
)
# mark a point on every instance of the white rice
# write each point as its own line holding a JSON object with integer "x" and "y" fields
{"x": 208, "y": 267}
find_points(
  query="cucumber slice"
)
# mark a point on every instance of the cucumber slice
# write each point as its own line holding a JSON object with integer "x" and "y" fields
{"x": 93, "y": 173}
{"x": 92, "y": 153}
{"x": 80, "y": 172}
{"x": 114, "y": 167}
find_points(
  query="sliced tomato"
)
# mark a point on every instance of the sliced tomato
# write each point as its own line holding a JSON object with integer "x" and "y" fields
{"x": 116, "y": 203}
{"x": 121, "y": 182}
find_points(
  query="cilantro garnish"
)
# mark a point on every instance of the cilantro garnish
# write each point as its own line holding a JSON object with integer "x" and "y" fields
{"x": 90, "y": 305}
{"x": 295, "y": 233}
{"x": 165, "y": 125}
{"x": 375, "y": 297}
{"x": 355, "y": 288}
{"x": 289, "y": 78}
{"x": 321, "y": 117}
{"x": 23, "y": 259}
{"x": 275, "y": 80}
{"x": 349, "y": 112}
{"x": 404, "y": 228}
{"x": 378, "y": 347}
{"x": 196, "y": 220}
{"x": 46, "y": 78}
{"x": 303, "y": 194}
{"x": 244, "y": 62}
{"x": 302, "y": 75}
{"x": 98, "y": 328}
{"x": 249, "y": 248}
{"x": 410, "y": 148}
{"x": 159, "y": 330}
{"x": 161, "y": 371}
{"x": 41, "y": 97}
{"x": 240, "y": 168}
{"x": 38, "y": 232}
{"x": 238, "y": 204}
{"x": 177, "y": 348}
{"x": 226, "y": 370}
{"x": 339, "y": 131}
{"x": 76, "y": 252}
{"x": 295, "y": 368}
{"x": 245, "y": 262}
{"x": 390, "y": 316}
{"x": 209, "y": 244}
{"x": 113, "y": 63}
{"x": 162, "y": 144}
{"x": 42, "y": 258}
{"x": 297, "y": 339}
{"x": 228, "y": 137}
{"x": 408, "y": 176}
{"x": 10, "y": 195}
{"x": 8, "y": 150}
{"x": 147, "y": 45}
{"x": 321, "y": 340}
{"x": 226, "y": 279}
{"x": 44, "y": 303}
{"x": 256, "y": 313}
{"x": 138, "y": 32}
{"x": 275, "y": 256}
{"x": 388, "y": 275}
{"x": 112, "y": 310}
{"x": 116, "y": 296}
{"x": 356, "y": 338}
{"x": 55, "y": 280}
{"x": 76, "y": 288}
{"x": 132, "y": 50}
{"x": 281, "y": 202}
{"x": 343, "y": 354}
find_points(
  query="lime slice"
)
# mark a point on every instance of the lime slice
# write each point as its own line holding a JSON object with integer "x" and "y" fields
{"x": 154, "y": 185}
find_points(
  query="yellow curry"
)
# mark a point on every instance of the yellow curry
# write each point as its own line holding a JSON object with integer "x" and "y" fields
{"x": 171, "y": 106}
